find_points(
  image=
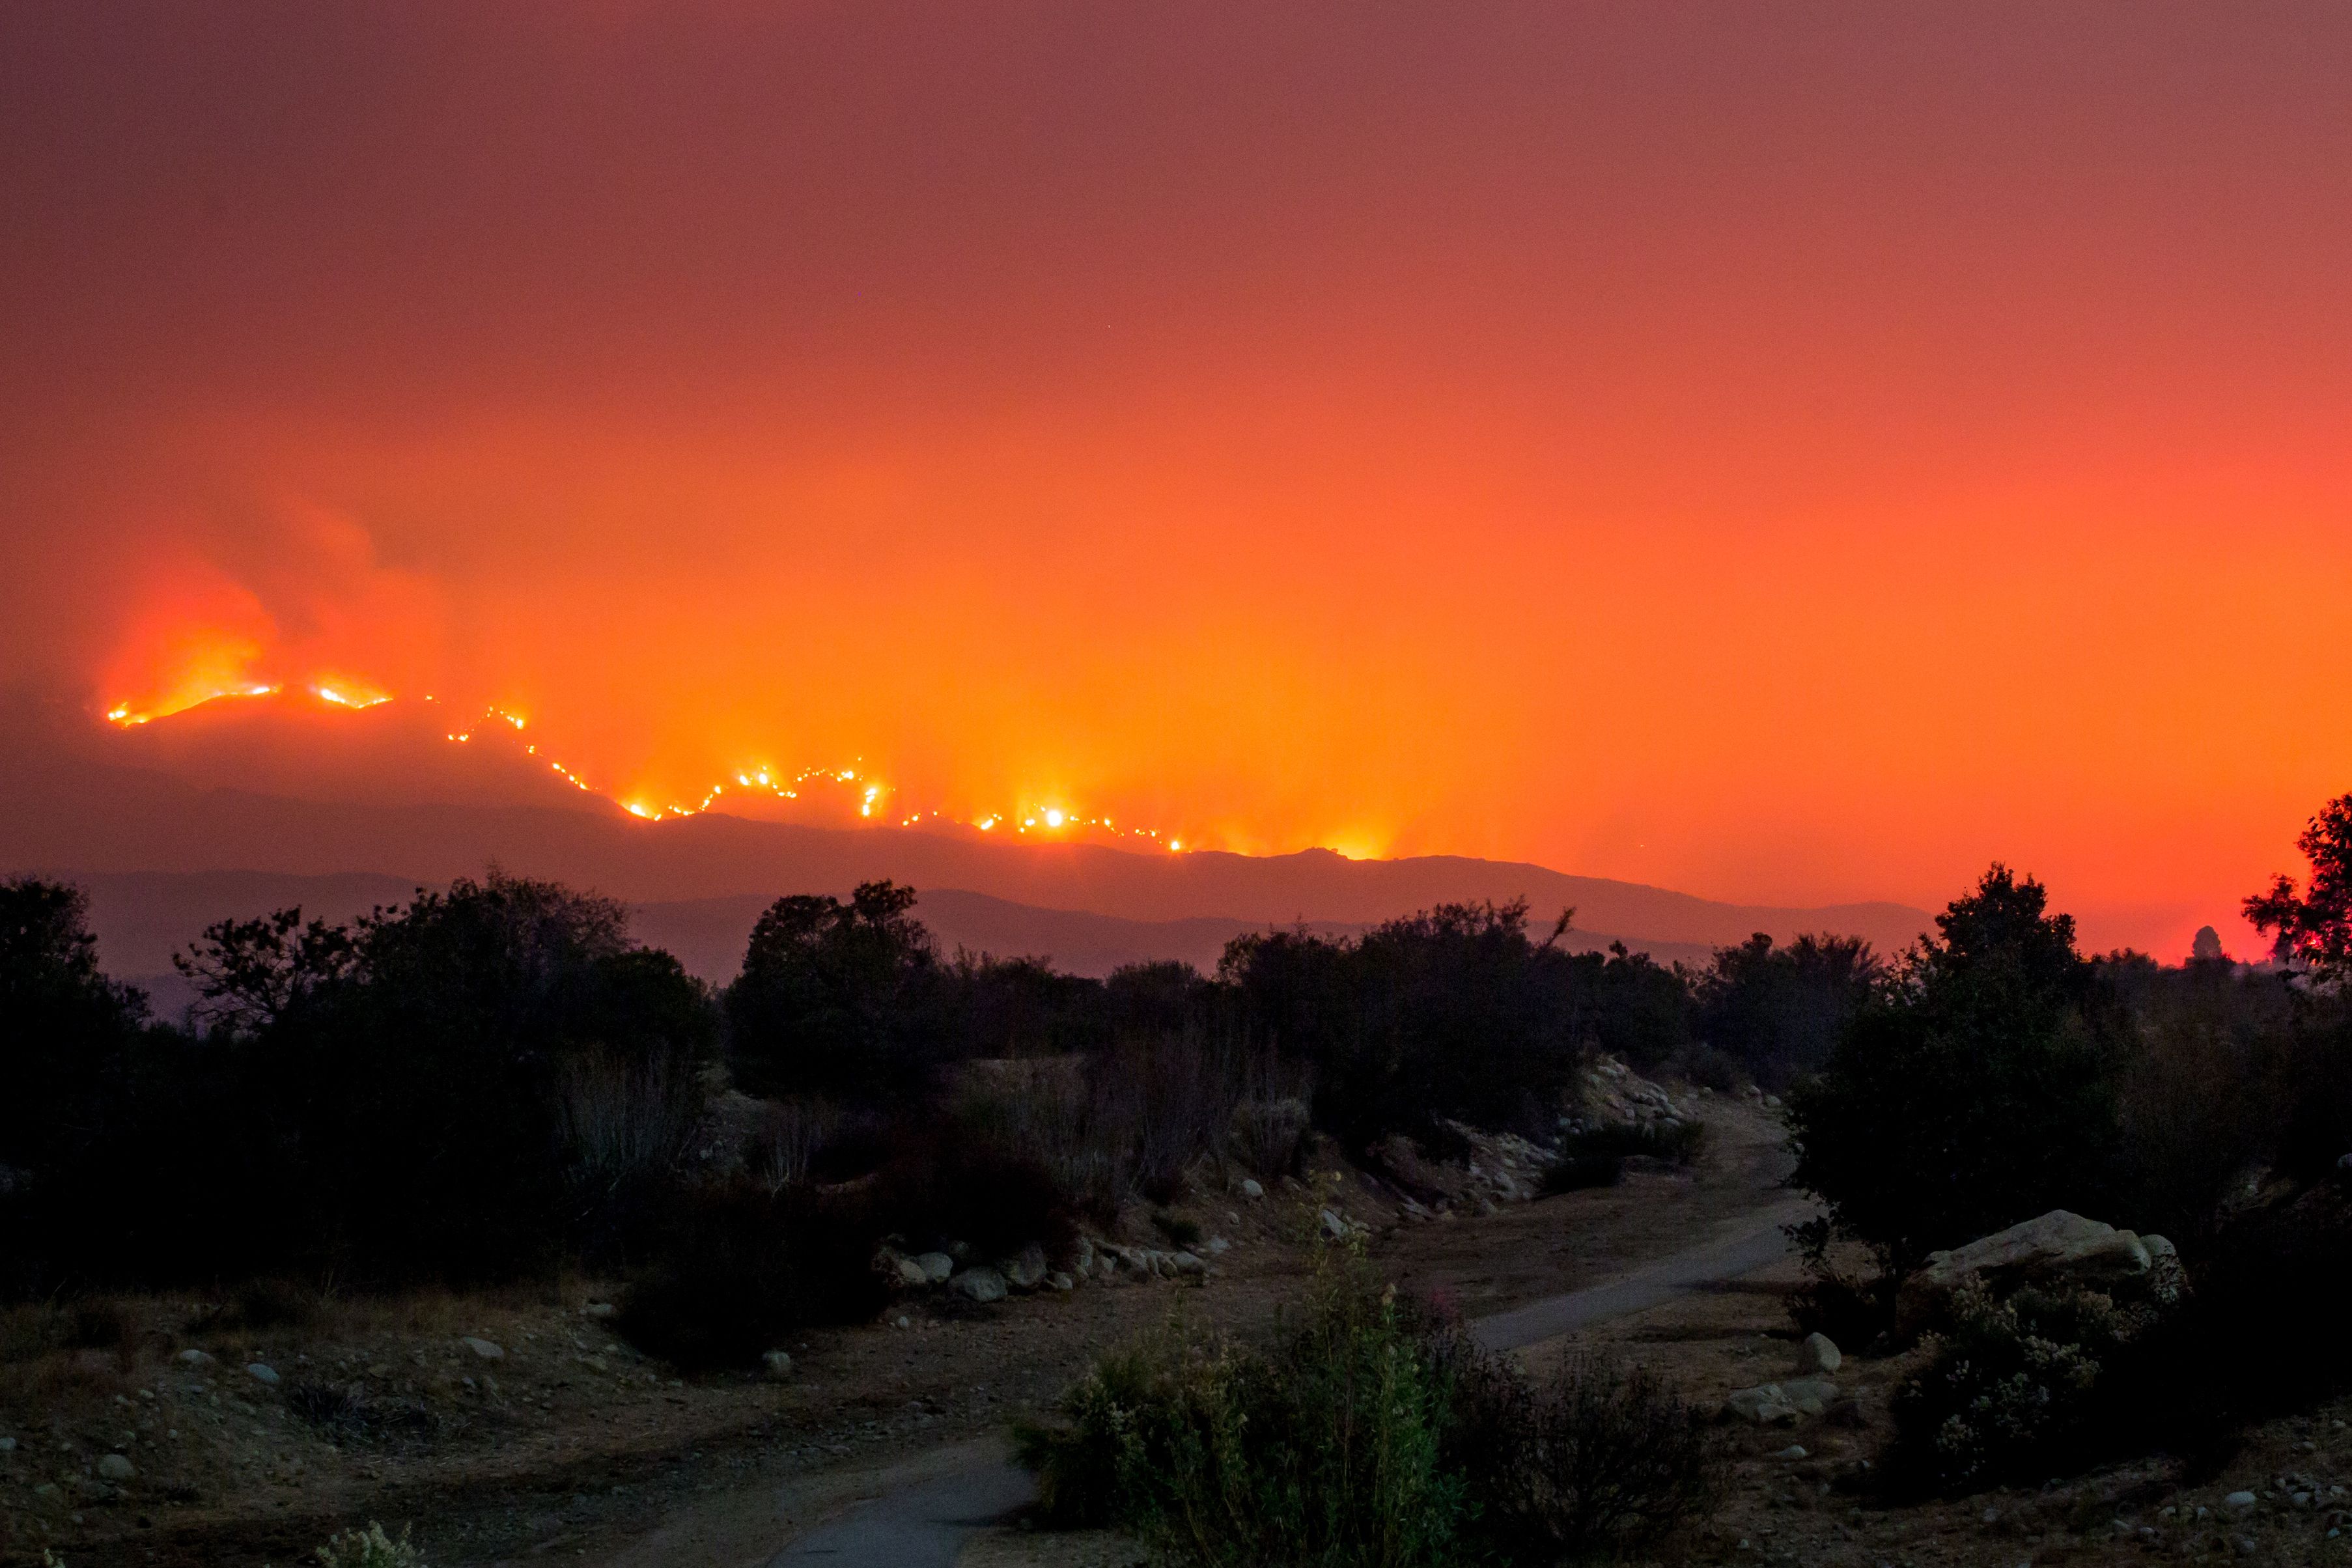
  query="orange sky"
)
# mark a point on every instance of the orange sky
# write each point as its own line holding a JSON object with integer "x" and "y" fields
{"x": 1790, "y": 453}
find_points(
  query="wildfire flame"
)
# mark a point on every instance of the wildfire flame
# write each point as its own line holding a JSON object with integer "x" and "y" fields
{"x": 869, "y": 793}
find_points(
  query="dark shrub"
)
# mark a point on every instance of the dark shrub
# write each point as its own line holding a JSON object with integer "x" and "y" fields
{"x": 1322, "y": 1449}
{"x": 743, "y": 1269}
{"x": 1678, "y": 1145}
{"x": 946, "y": 1183}
{"x": 1591, "y": 1460}
{"x": 1179, "y": 1231}
{"x": 1778, "y": 1011}
{"x": 1367, "y": 1432}
{"x": 1574, "y": 1173}
{"x": 2017, "y": 1390}
{"x": 1852, "y": 1312}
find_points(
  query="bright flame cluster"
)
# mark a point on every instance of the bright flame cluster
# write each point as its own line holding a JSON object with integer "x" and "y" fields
{"x": 869, "y": 793}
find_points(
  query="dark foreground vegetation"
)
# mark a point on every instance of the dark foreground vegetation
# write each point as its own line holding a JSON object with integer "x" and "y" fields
{"x": 1368, "y": 1432}
{"x": 493, "y": 1083}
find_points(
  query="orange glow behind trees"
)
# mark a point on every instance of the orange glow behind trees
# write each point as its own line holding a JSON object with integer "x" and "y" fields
{"x": 1788, "y": 455}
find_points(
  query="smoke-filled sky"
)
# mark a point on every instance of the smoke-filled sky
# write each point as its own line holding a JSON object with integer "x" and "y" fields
{"x": 1788, "y": 452}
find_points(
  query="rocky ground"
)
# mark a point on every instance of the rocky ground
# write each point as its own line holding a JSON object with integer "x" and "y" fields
{"x": 516, "y": 1425}
{"x": 517, "y": 1428}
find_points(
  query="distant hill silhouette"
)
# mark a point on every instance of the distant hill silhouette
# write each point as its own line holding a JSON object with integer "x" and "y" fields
{"x": 74, "y": 807}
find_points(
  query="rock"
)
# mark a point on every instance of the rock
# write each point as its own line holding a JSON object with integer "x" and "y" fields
{"x": 904, "y": 1321}
{"x": 1218, "y": 1246}
{"x": 1334, "y": 1227}
{"x": 1026, "y": 1271}
{"x": 115, "y": 1467}
{"x": 778, "y": 1364}
{"x": 937, "y": 1267}
{"x": 8, "y": 1444}
{"x": 1809, "y": 1396}
{"x": 1763, "y": 1405}
{"x": 193, "y": 1357}
{"x": 981, "y": 1285}
{"x": 1819, "y": 1353}
{"x": 2057, "y": 1246}
{"x": 1793, "y": 1451}
{"x": 598, "y": 1309}
{"x": 1253, "y": 1190}
{"x": 1059, "y": 1280}
{"x": 1184, "y": 1263}
{"x": 2239, "y": 1500}
{"x": 907, "y": 1271}
{"x": 262, "y": 1375}
{"x": 486, "y": 1349}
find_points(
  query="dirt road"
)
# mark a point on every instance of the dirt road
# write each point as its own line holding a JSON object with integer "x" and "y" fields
{"x": 909, "y": 1518}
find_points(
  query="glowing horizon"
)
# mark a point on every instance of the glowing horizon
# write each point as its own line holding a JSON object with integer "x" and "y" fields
{"x": 1794, "y": 456}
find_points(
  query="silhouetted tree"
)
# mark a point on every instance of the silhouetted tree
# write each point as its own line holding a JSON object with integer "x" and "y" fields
{"x": 249, "y": 975}
{"x": 2312, "y": 925}
{"x": 837, "y": 999}
{"x": 1974, "y": 1093}
{"x": 65, "y": 1027}
{"x": 1780, "y": 1011}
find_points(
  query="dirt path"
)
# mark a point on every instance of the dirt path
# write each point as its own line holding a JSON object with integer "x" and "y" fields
{"x": 924, "y": 1515}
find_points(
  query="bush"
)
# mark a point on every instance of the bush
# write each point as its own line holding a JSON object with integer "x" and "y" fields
{"x": 1575, "y": 1173}
{"x": 950, "y": 1184}
{"x": 1678, "y": 1144}
{"x": 1368, "y": 1432}
{"x": 743, "y": 1269}
{"x": 1322, "y": 1448}
{"x": 2020, "y": 1390}
{"x": 1589, "y": 1461}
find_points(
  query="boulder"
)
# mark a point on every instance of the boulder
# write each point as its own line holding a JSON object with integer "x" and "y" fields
{"x": 1026, "y": 1270}
{"x": 1819, "y": 1353}
{"x": 486, "y": 1349}
{"x": 2057, "y": 1248}
{"x": 116, "y": 1469}
{"x": 981, "y": 1285}
{"x": 1253, "y": 1190}
{"x": 1176, "y": 1264}
{"x": 1781, "y": 1404}
{"x": 265, "y": 1375}
{"x": 937, "y": 1267}
{"x": 908, "y": 1271}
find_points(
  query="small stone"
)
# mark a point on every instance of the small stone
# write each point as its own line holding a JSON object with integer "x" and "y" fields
{"x": 1061, "y": 1281}
{"x": 599, "y": 1308}
{"x": 1334, "y": 1227}
{"x": 937, "y": 1267}
{"x": 1184, "y": 1263}
{"x": 8, "y": 1444}
{"x": 265, "y": 1375}
{"x": 2303, "y": 1500}
{"x": 907, "y": 1271}
{"x": 778, "y": 1364}
{"x": 904, "y": 1321}
{"x": 2239, "y": 1500}
{"x": 194, "y": 1357}
{"x": 486, "y": 1349}
{"x": 1251, "y": 1191}
{"x": 115, "y": 1467}
{"x": 1793, "y": 1451}
{"x": 1819, "y": 1354}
